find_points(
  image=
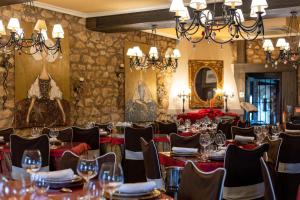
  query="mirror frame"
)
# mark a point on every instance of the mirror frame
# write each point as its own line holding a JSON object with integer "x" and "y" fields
{"x": 194, "y": 67}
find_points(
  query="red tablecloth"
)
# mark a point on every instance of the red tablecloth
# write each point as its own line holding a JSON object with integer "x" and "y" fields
{"x": 298, "y": 196}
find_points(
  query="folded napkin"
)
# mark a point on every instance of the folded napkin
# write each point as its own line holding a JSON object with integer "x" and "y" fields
{"x": 60, "y": 175}
{"x": 243, "y": 139}
{"x": 184, "y": 150}
{"x": 133, "y": 188}
{"x": 1, "y": 138}
{"x": 80, "y": 148}
{"x": 220, "y": 153}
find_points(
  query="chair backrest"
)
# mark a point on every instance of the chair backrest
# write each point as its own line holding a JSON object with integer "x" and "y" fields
{"x": 5, "y": 133}
{"x": 274, "y": 146}
{"x": 151, "y": 162}
{"x": 65, "y": 135}
{"x": 19, "y": 144}
{"x": 292, "y": 126}
{"x": 46, "y": 131}
{"x": 247, "y": 132}
{"x": 69, "y": 160}
{"x": 269, "y": 189}
{"x": 197, "y": 185}
{"x": 103, "y": 126}
{"x": 225, "y": 127}
{"x": 87, "y": 135}
{"x": 133, "y": 162}
{"x": 185, "y": 141}
{"x": 244, "y": 178}
{"x": 166, "y": 127}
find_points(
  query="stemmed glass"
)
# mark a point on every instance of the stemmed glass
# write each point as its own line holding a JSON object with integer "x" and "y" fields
{"x": 187, "y": 123}
{"x": 275, "y": 131}
{"x": 87, "y": 169}
{"x": 53, "y": 135}
{"x": 35, "y": 132}
{"x": 111, "y": 177}
{"x": 220, "y": 139}
{"x": 110, "y": 127}
{"x": 31, "y": 163}
{"x": 205, "y": 140}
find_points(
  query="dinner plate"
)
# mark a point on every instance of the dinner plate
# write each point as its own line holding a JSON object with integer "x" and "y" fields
{"x": 184, "y": 154}
{"x": 71, "y": 183}
{"x": 149, "y": 195}
{"x": 216, "y": 158}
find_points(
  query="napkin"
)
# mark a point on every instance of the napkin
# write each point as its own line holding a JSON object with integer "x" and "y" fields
{"x": 243, "y": 139}
{"x": 60, "y": 175}
{"x": 1, "y": 138}
{"x": 80, "y": 148}
{"x": 218, "y": 154}
{"x": 134, "y": 188}
{"x": 184, "y": 150}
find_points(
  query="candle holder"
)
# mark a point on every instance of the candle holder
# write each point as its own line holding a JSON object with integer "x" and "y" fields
{"x": 226, "y": 96}
{"x": 184, "y": 95}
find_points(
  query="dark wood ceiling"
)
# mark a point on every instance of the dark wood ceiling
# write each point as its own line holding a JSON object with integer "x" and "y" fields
{"x": 164, "y": 19}
{"x": 10, "y": 2}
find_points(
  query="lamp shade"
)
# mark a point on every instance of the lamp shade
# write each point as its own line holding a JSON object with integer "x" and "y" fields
{"x": 253, "y": 12}
{"x": 137, "y": 51}
{"x": 184, "y": 15}
{"x": 153, "y": 52}
{"x": 299, "y": 44}
{"x": 281, "y": 43}
{"x": 168, "y": 53}
{"x": 130, "y": 52}
{"x": 198, "y": 4}
{"x": 259, "y": 5}
{"x": 233, "y": 3}
{"x": 2, "y": 29}
{"x": 240, "y": 15}
{"x": 13, "y": 24}
{"x": 287, "y": 46}
{"x": 268, "y": 45}
{"x": 176, "y": 6}
{"x": 206, "y": 16}
{"x": 58, "y": 31}
{"x": 176, "y": 53}
{"x": 40, "y": 25}
{"x": 45, "y": 35}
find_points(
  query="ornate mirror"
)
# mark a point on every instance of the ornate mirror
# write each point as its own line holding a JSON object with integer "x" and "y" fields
{"x": 205, "y": 78}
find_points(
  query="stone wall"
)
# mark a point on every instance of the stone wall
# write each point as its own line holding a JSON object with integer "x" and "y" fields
{"x": 98, "y": 58}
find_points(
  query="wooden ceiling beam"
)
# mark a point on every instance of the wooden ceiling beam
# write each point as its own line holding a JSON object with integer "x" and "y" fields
{"x": 10, "y": 2}
{"x": 165, "y": 19}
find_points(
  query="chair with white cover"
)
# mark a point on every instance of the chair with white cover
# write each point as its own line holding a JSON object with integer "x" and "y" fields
{"x": 244, "y": 178}
{"x": 293, "y": 129}
{"x": 198, "y": 185}
{"x": 288, "y": 167}
{"x": 19, "y": 144}
{"x": 133, "y": 160}
{"x": 245, "y": 132}
{"x": 151, "y": 162}
{"x": 269, "y": 188}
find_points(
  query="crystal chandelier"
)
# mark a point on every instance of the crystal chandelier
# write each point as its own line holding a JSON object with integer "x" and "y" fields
{"x": 206, "y": 25}
{"x": 140, "y": 61}
{"x": 289, "y": 49}
{"x": 15, "y": 40}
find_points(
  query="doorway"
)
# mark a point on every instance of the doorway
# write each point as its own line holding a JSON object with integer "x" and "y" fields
{"x": 263, "y": 90}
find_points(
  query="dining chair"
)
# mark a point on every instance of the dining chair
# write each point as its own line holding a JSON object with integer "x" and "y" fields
{"x": 198, "y": 185}
{"x": 5, "y": 133}
{"x": 65, "y": 135}
{"x": 291, "y": 128}
{"x": 19, "y": 144}
{"x": 185, "y": 141}
{"x": 151, "y": 162}
{"x": 244, "y": 178}
{"x": 225, "y": 127}
{"x": 288, "y": 166}
{"x": 89, "y": 136}
{"x": 268, "y": 182}
{"x": 104, "y": 126}
{"x": 166, "y": 127}
{"x": 133, "y": 159}
{"x": 272, "y": 153}
{"x": 247, "y": 132}
{"x": 69, "y": 160}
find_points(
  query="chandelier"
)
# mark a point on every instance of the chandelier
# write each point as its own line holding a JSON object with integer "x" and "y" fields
{"x": 37, "y": 43}
{"x": 289, "y": 49}
{"x": 206, "y": 25}
{"x": 139, "y": 61}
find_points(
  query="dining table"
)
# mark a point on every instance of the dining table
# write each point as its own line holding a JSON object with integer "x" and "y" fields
{"x": 67, "y": 194}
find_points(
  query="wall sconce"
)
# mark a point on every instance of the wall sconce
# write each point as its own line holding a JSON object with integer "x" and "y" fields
{"x": 225, "y": 93}
{"x": 184, "y": 94}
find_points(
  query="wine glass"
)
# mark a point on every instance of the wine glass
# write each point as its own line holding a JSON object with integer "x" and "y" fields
{"x": 220, "y": 139}
{"x": 187, "y": 123}
{"x": 41, "y": 185}
{"x": 275, "y": 131}
{"x": 31, "y": 163}
{"x": 35, "y": 132}
{"x": 110, "y": 127}
{"x": 87, "y": 169}
{"x": 53, "y": 135}
{"x": 205, "y": 140}
{"x": 111, "y": 177}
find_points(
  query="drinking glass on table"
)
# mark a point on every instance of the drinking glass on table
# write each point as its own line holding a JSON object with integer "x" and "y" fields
{"x": 276, "y": 131}
{"x": 35, "y": 132}
{"x": 87, "y": 169}
{"x": 31, "y": 163}
{"x": 110, "y": 127}
{"x": 220, "y": 139}
{"x": 111, "y": 177}
{"x": 53, "y": 135}
{"x": 205, "y": 140}
{"x": 41, "y": 185}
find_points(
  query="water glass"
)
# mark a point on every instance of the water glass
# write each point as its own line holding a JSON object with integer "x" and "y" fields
{"x": 111, "y": 177}
{"x": 35, "y": 132}
{"x": 53, "y": 135}
{"x": 41, "y": 185}
{"x": 220, "y": 139}
{"x": 205, "y": 140}
{"x": 110, "y": 127}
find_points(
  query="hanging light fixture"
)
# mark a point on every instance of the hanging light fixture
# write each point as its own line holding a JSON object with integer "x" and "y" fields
{"x": 140, "y": 61}
{"x": 289, "y": 48}
{"x": 205, "y": 24}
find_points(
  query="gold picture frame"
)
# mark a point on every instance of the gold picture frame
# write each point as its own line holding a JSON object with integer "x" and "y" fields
{"x": 216, "y": 66}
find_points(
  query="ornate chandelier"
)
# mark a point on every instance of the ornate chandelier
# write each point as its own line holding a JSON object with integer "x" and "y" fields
{"x": 206, "y": 25}
{"x": 37, "y": 43}
{"x": 140, "y": 61}
{"x": 289, "y": 49}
